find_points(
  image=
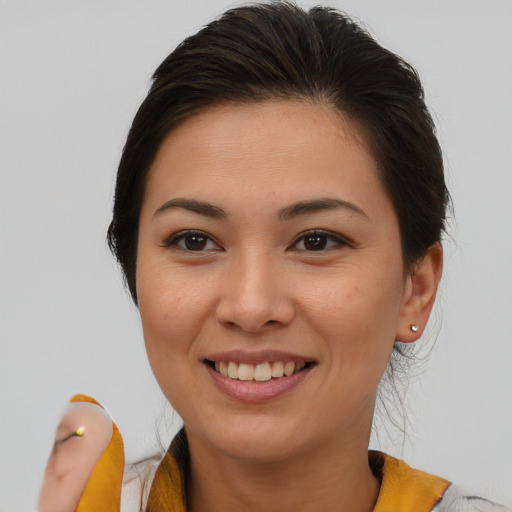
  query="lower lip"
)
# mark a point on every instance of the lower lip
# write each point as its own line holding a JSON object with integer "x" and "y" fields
{"x": 254, "y": 391}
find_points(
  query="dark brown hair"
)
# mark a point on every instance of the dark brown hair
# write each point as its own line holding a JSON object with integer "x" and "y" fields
{"x": 279, "y": 51}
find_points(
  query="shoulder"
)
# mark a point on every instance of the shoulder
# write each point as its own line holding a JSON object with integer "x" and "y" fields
{"x": 405, "y": 489}
{"x": 456, "y": 500}
{"x": 137, "y": 482}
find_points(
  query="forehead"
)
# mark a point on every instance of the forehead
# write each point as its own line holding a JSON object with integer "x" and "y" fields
{"x": 261, "y": 150}
{"x": 289, "y": 123}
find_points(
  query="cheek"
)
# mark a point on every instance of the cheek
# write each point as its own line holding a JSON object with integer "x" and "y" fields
{"x": 357, "y": 313}
{"x": 168, "y": 324}
{"x": 173, "y": 309}
{"x": 357, "y": 302}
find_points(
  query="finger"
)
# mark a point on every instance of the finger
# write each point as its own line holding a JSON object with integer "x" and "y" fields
{"x": 103, "y": 489}
{"x": 82, "y": 436}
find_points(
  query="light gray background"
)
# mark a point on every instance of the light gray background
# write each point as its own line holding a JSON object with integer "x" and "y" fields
{"x": 72, "y": 75}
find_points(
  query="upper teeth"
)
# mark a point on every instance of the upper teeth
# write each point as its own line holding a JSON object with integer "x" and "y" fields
{"x": 258, "y": 372}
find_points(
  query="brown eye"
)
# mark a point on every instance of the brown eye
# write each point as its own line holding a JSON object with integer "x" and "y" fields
{"x": 195, "y": 242}
{"x": 192, "y": 241}
{"x": 318, "y": 241}
{"x": 315, "y": 242}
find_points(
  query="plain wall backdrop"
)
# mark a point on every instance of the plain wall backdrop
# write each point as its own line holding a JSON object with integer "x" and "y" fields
{"x": 72, "y": 74}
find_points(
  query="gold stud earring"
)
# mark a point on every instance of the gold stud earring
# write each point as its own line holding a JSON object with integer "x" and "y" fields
{"x": 414, "y": 328}
{"x": 79, "y": 432}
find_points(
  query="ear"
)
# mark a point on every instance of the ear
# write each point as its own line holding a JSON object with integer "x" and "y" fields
{"x": 420, "y": 291}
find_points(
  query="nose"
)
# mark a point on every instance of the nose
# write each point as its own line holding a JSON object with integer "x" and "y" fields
{"x": 254, "y": 296}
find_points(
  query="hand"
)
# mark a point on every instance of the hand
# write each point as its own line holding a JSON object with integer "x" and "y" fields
{"x": 85, "y": 468}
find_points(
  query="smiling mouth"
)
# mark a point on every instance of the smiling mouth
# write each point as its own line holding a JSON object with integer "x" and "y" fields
{"x": 262, "y": 372}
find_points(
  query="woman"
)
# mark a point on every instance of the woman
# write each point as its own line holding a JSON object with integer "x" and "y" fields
{"x": 278, "y": 215}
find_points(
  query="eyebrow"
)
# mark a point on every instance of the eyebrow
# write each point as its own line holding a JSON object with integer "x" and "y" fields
{"x": 317, "y": 205}
{"x": 287, "y": 213}
{"x": 192, "y": 205}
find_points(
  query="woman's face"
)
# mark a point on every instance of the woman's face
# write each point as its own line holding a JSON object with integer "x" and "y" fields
{"x": 267, "y": 243}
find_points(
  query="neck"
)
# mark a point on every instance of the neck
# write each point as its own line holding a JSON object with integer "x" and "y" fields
{"x": 334, "y": 476}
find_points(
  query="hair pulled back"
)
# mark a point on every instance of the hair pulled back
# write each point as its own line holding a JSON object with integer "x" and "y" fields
{"x": 279, "y": 51}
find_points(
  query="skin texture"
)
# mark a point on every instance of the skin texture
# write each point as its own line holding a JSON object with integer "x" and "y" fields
{"x": 254, "y": 286}
{"x": 73, "y": 458}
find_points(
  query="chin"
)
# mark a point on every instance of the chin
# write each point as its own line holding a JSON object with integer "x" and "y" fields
{"x": 254, "y": 439}
{"x": 262, "y": 449}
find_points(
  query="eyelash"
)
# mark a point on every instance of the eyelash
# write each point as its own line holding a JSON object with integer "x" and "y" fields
{"x": 319, "y": 233}
{"x": 174, "y": 241}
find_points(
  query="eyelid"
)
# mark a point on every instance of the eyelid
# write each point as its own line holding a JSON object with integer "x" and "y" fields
{"x": 330, "y": 235}
{"x": 171, "y": 241}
